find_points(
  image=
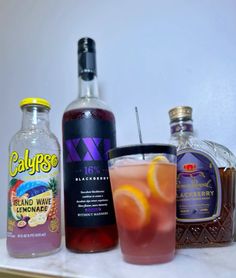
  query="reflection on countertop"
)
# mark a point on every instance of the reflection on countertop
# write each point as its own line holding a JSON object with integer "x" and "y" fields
{"x": 204, "y": 262}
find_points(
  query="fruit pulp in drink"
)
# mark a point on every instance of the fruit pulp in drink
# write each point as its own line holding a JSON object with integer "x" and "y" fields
{"x": 144, "y": 195}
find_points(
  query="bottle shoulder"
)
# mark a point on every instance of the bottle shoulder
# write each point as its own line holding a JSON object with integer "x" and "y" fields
{"x": 34, "y": 139}
{"x": 87, "y": 102}
{"x": 90, "y": 111}
{"x": 221, "y": 155}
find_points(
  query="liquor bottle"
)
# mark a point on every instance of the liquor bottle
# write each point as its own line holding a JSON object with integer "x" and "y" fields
{"x": 88, "y": 133}
{"x": 34, "y": 209}
{"x": 205, "y": 186}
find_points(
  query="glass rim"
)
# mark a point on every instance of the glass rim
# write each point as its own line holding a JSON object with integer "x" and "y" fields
{"x": 141, "y": 149}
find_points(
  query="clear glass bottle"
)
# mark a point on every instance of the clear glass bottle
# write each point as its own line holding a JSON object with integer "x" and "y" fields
{"x": 88, "y": 133}
{"x": 205, "y": 186}
{"x": 34, "y": 211}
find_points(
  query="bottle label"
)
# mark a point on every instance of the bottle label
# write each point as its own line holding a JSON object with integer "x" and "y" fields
{"x": 33, "y": 197}
{"x": 198, "y": 187}
{"x": 181, "y": 127}
{"x": 88, "y": 197}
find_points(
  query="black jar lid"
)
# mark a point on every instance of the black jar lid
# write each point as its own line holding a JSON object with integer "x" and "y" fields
{"x": 141, "y": 149}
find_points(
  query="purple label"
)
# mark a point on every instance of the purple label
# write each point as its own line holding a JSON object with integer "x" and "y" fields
{"x": 87, "y": 149}
{"x": 181, "y": 127}
{"x": 198, "y": 187}
{"x": 88, "y": 197}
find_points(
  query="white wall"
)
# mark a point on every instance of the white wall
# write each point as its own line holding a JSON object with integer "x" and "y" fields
{"x": 153, "y": 54}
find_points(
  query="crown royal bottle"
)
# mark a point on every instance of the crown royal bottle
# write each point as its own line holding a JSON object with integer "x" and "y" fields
{"x": 205, "y": 186}
{"x": 88, "y": 133}
{"x": 34, "y": 210}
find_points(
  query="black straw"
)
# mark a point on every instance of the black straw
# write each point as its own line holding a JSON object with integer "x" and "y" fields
{"x": 139, "y": 128}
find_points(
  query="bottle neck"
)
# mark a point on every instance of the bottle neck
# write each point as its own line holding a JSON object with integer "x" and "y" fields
{"x": 35, "y": 118}
{"x": 87, "y": 71}
{"x": 88, "y": 88}
{"x": 181, "y": 127}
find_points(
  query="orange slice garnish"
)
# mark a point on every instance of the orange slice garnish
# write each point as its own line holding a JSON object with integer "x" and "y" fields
{"x": 131, "y": 207}
{"x": 161, "y": 179}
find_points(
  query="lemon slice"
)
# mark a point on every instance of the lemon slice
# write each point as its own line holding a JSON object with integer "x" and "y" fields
{"x": 131, "y": 207}
{"x": 41, "y": 218}
{"x": 160, "y": 158}
{"x": 33, "y": 222}
{"x": 161, "y": 177}
{"x": 38, "y": 219}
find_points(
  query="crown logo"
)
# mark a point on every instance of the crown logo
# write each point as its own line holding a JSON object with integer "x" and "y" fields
{"x": 190, "y": 167}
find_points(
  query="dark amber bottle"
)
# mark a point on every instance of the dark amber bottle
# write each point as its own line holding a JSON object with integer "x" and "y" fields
{"x": 205, "y": 186}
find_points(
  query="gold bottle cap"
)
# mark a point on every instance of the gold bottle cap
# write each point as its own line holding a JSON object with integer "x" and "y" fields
{"x": 180, "y": 112}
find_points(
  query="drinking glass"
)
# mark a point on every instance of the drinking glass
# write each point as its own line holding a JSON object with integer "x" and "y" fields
{"x": 143, "y": 180}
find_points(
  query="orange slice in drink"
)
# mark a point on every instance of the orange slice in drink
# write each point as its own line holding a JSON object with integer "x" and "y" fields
{"x": 131, "y": 207}
{"x": 161, "y": 179}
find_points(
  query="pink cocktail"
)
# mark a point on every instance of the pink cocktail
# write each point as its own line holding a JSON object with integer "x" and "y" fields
{"x": 143, "y": 180}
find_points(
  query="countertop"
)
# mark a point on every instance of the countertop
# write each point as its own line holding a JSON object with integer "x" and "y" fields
{"x": 205, "y": 262}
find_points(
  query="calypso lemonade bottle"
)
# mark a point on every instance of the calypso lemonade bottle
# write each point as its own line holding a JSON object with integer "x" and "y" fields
{"x": 34, "y": 216}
